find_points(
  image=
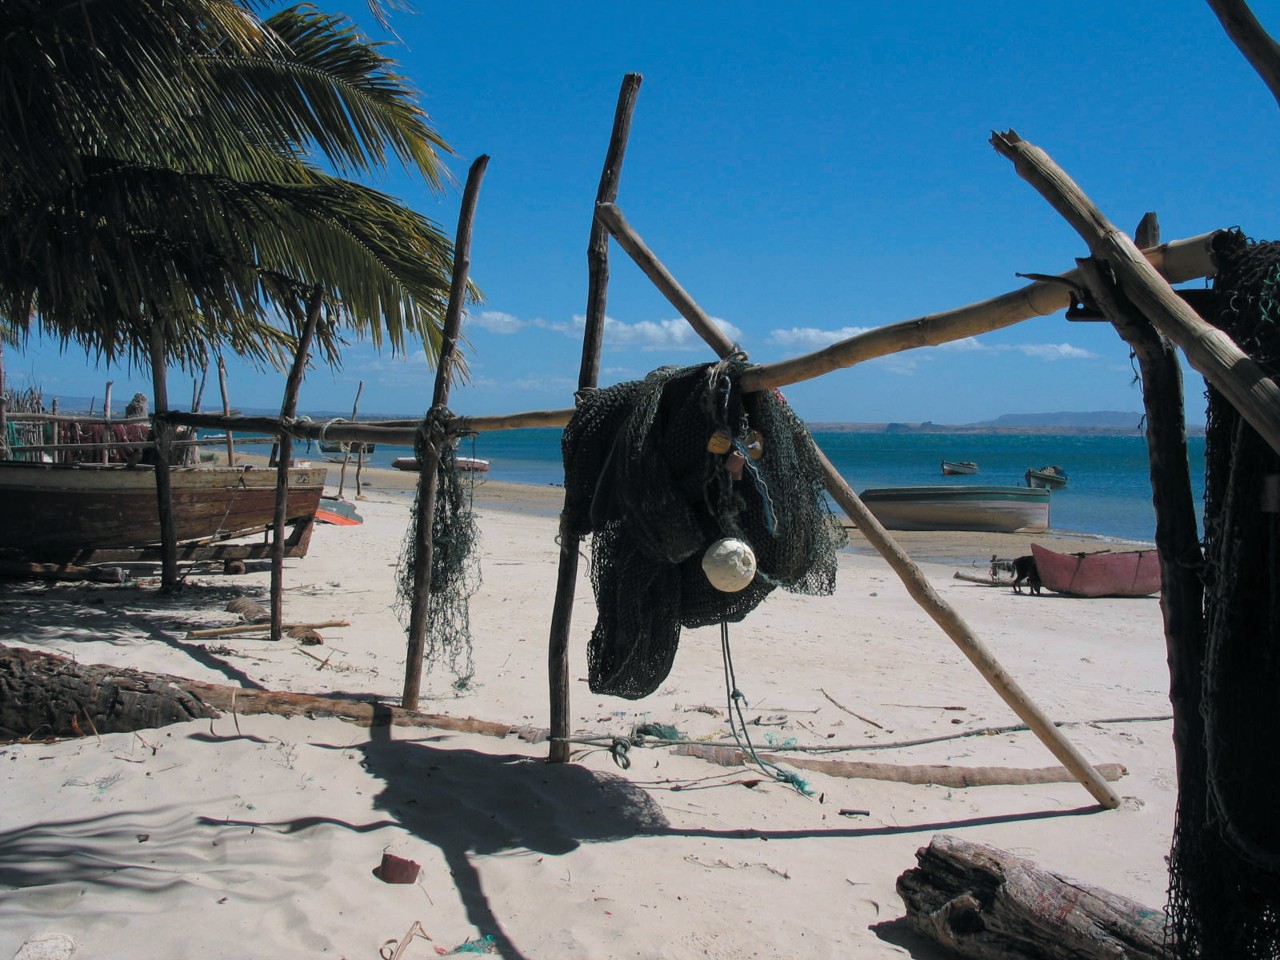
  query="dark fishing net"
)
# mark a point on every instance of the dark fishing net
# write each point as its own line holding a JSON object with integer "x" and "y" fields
{"x": 455, "y": 568}
{"x": 1224, "y": 899}
{"x": 640, "y": 477}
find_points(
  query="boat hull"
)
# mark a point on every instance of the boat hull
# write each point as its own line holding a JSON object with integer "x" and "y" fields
{"x": 1127, "y": 573}
{"x": 1045, "y": 480}
{"x": 464, "y": 463}
{"x": 987, "y": 509}
{"x": 61, "y": 509}
{"x": 959, "y": 468}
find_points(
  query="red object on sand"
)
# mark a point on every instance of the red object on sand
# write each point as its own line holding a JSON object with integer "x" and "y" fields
{"x": 395, "y": 869}
{"x": 1128, "y": 573}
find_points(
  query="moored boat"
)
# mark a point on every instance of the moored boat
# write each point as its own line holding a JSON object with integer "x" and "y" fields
{"x": 1048, "y": 478}
{"x": 354, "y": 447}
{"x": 985, "y": 508}
{"x": 957, "y": 468}
{"x": 61, "y": 511}
{"x": 1124, "y": 573}
{"x": 464, "y": 463}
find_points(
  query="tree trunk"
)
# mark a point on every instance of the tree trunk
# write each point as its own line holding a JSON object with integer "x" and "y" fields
{"x": 990, "y": 905}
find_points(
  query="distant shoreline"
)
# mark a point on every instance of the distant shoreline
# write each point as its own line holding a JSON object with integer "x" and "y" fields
{"x": 1055, "y": 430}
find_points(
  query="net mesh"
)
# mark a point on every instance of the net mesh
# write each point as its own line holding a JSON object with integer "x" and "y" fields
{"x": 455, "y": 568}
{"x": 642, "y": 478}
{"x": 1224, "y": 898}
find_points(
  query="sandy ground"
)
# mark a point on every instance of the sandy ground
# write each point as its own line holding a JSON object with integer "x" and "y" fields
{"x": 256, "y": 836}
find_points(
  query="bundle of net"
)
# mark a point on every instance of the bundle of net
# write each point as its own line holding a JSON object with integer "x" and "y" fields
{"x": 1224, "y": 898}
{"x": 455, "y": 570}
{"x": 681, "y": 479}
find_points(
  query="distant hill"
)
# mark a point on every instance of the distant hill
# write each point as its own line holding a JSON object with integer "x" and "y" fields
{"x": 1110, "y": 422}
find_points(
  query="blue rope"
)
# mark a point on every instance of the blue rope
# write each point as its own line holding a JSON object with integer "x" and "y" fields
{"x": 735, "y": 700}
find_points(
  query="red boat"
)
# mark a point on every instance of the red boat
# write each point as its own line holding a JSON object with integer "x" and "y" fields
{"x": 1127, "y": 573}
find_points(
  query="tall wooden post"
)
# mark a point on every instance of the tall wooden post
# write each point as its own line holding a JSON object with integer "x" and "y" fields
{"x": 911, "y": 576}
{"x": 427, "y": 478}
{"x": 226, "y": 410}
{"x": 288, "y": 410}
{"x": 346, "y": 450}
{"x": 106, "y": 404}
{"x": 1177, "y": 536}
{"x": 588, "y": 376}
{"x": 164, "y": 482}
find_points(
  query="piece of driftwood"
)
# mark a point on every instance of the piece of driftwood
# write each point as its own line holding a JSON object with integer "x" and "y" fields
{"x": 1262, "y": 52}
{"x": 22, "y": 570}
{"x": 987, "y": 904}
{"x": 588, "y": 376}
{"x": 43, "y": 695}
{"x": 944, "y": 775}
{"x": 428, "y": 476}
{"x": 986, "y": 581}
{"x": 261, "y": 628}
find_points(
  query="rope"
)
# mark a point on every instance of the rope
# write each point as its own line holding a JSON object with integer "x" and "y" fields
{"x": 324, "y": 428}
{"x": 735, "y": 701}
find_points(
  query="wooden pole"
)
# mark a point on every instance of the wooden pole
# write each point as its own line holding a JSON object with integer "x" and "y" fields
{"x": 1178, "y": 261}
{"x": 1262, "y": 52}
{"x": 56, "y": 429}
{"x": 1209, "y": 350}
{"x": 164, "y": 482}
{"x": 346, "y": 450}
{"x": 933, "y": 604}
{"x": 588, "y": 377}
{"x": 427, "y": 477}
{"x": 226, "y": 410}
{"x": 106, "y": 411}
{"x": 288, "y": 410}
{"x": 4, "y": 407}
{"x": 1177, "y": 536}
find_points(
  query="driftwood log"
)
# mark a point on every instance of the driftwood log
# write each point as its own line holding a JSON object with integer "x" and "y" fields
{"x": 942, "y": 774}
{"x": 991, "y": 905}
{"x": 45, "y": 696}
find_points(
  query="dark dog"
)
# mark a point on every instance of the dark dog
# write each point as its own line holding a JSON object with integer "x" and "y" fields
{"x": 1024, "y": 571}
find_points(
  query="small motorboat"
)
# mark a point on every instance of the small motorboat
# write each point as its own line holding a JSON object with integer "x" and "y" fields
{"x": 960, "y": 507}
{"x": 1049, "y": 478}
{"x": 958, "y": 468}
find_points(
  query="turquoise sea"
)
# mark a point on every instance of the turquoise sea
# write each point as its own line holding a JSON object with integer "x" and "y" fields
{"x": 1109, "y": 494}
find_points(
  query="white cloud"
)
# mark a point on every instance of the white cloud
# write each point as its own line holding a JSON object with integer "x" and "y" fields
{"x": 813, "y": 338}
{"x": 495, "y": 321}
{"x": 1051, "y": 351}
{"x": 674, "y": 334}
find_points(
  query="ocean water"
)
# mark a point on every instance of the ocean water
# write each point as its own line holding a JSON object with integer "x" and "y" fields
{"x": 1109, "y": 493}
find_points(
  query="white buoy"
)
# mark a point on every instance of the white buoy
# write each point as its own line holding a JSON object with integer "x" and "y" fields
{"x": 729, "y": 564}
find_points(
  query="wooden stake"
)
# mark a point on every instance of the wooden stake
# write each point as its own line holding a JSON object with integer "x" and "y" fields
{"x": 427, "y": 478}
{"x": 106, "y": 412}
{"x": 1262, "y": 52}
{"x": 288, "y": 410}
{"x": 164, "y": 482}
{"x": 1177, "y": 536}
{"x": 346, "y": 451}
{"x": 1209, "y": 350}
{"x": 588, "y": 376}
{"x": 920, "y": 589}
{"x": 226, "y": 410}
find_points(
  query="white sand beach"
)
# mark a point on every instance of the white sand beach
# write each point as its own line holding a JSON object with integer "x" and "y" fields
{"x": 258, "y": 836}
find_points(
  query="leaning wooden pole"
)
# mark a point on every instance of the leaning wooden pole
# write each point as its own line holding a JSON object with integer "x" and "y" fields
{"x": 288, "y": 410}
{"x": 1209, "y": 350}
{"x": 428, "y": 479}
{"x": 588, "y": 377}
{"x": 1177, "y": 533}
{"x": 921, "y": 591}
{"x": 164, "y": 482}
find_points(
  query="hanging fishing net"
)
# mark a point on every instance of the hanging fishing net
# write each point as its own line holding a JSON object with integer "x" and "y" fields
{"x": 1224, "y": 899}
{"x": 657, "y": 471}
{"x": 455, "y": 569}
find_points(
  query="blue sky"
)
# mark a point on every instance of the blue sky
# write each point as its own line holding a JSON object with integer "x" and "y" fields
{"x": 806, "y": 172}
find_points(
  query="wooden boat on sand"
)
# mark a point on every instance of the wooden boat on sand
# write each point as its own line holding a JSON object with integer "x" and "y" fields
{"x": 1050, "y": 478}
{"x": 958, "y": 468}
{"x": 1125, "y": 573}
{"x": 989, "y": 509}
{"x": 89, "y": 513}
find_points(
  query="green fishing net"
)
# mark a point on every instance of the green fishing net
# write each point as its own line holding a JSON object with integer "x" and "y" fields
{"x": 642, "y": 480}
{"x": 1224, "y": 896}
{"x": 455, "y": 568}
